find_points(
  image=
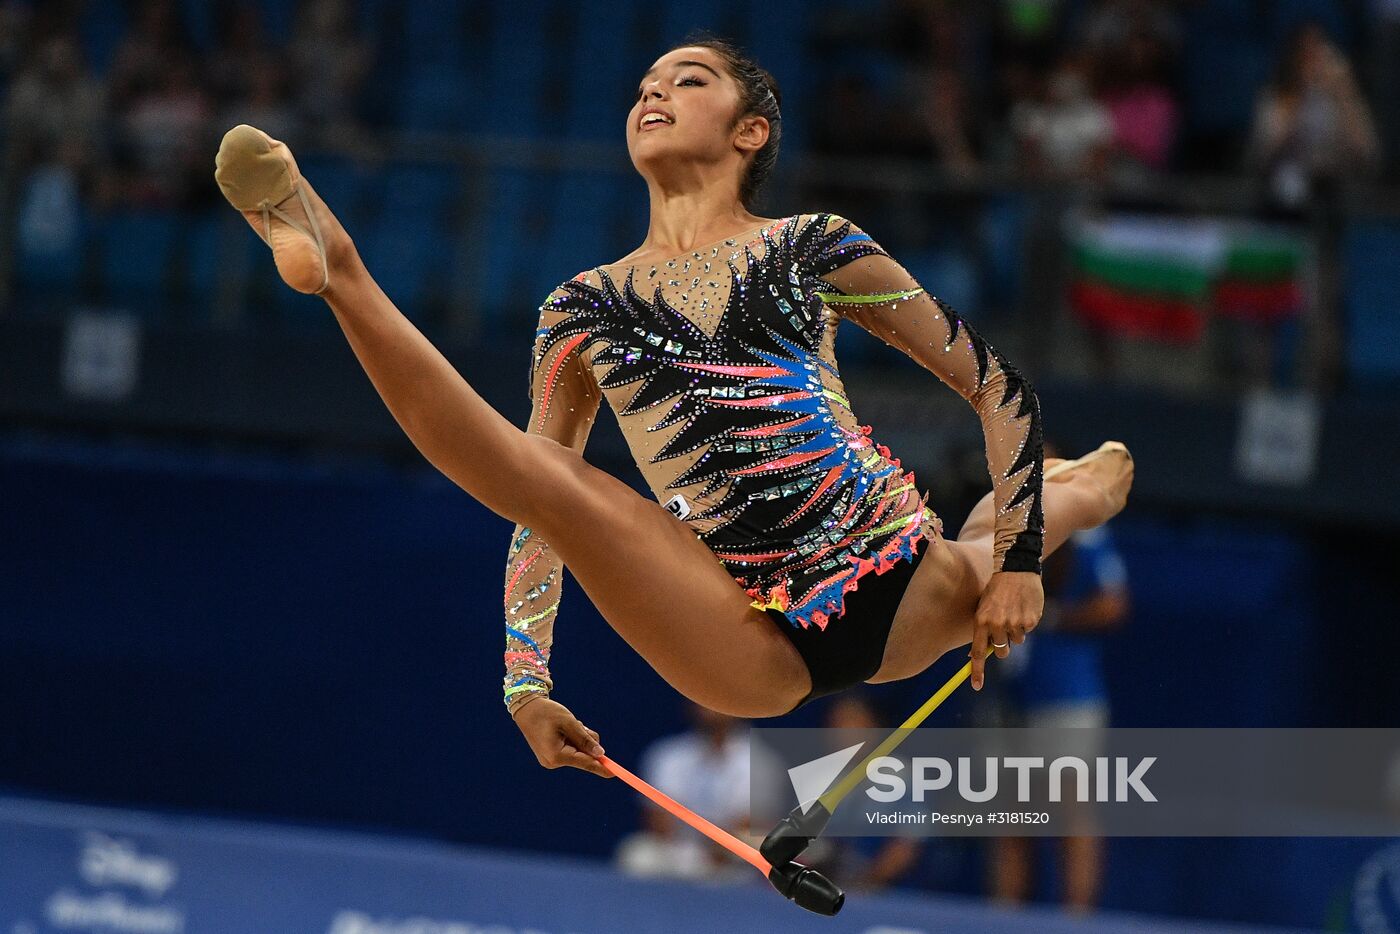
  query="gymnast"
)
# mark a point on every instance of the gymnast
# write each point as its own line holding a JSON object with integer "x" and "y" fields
{"x": 786, "y": 554}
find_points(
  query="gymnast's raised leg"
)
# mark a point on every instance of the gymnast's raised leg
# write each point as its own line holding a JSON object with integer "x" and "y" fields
{"x": 647, "y": 573}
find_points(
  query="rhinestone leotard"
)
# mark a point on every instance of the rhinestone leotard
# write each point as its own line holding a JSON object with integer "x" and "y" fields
{"x": 719, "y": 365}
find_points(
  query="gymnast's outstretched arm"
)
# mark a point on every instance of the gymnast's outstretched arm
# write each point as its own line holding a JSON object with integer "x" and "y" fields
{"x": 565, "y": 402}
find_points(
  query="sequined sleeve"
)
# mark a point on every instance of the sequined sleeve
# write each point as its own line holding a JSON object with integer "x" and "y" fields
{"x": 564, "y": 401}
{"x": 867, "y": 286}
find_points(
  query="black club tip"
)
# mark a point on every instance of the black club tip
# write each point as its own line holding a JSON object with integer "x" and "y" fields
{"x": 794, "y": 834}
{"x": 807, "y": 888}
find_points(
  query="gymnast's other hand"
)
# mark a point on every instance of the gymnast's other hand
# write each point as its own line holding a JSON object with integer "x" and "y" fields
{"x": 1009, "y": 607}
{"x": 558, "y": 738}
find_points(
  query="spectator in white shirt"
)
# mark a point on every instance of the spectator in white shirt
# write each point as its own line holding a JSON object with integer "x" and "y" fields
{"x": 708, "y": 771}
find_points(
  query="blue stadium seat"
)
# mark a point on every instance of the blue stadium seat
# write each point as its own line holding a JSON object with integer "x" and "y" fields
{"x": 219, "y": 246}
{"x": 295, "y": 311}
{"x": 585, "y": 207}
{"x": 853, "y": 345}
{"x": 592, "y": 218}
{"x": 1223, "y": 65}
{"x": 343, "y": 184}
{"x": 948, "y": 274}
{"x": 427, "y": 194}
{"x": 442, "y": 33}
{"x": 103, "y": 26}
{"x": 406, "y": 258}
{"x": 279, "y": 19}
{"x": 1003, "y": 235}
{"x": 597, "y": 108}
{"x": 510, "y": 282}
{"x": 205, "y": 243}
{"x": 202, "y": 20}
{"x": 444, "y": 99}
{"x": 1331, "y": 16}
{"x": 518, "y": 59}
{"x": 678, "y": 19}
{"x": 1371, "y": 298}
{"x": 777, "y": 39}
{"x": 137, "y": 249}
{"x": 381, "y": 23}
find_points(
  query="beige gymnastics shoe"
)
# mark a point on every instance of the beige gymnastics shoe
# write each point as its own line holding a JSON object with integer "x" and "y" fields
{"x": 1108, "y": 447}
{"x": 259, "y": 177}
{"x": 1111, "y": 467}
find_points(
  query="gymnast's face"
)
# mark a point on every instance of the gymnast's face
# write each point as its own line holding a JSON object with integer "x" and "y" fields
{"x": 685, "y": 110}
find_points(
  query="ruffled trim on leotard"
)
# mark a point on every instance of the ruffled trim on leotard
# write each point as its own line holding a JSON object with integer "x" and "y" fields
{"x": 827, "y": 602}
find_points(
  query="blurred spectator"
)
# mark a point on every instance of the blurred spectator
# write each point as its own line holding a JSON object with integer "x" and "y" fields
{"x": 1063, "y": 132}
{"x": 856, "y": 119}
{"x": 264, "y": 103}
{"x": 707, "y": 770}
{"x": 1313, "y": 130}
{"x": 1112, "y": 25}
{"x": 331, "y": 64}
{"x": 48, "y": 216}
{"x": 54, "y": 106}
{"x": 242, "y": 54}
{"x": 935, "y": 42}
{"x": 1312, "y": 126}
{"x": 161, "y": 113}
{"x": 948, "y": 117}
{"x": 1133, "y": 86}
{"x": 165, "y": 138}
{"x": 14, "y": 34}
{"x": 247, "y": 83}
{"x": 866, "y": 862}
{"x": 157, "y": 41}
{"x": 1055, "y": 680}
{"x": 903, "y": 91}
{"x": 856, "y": 123}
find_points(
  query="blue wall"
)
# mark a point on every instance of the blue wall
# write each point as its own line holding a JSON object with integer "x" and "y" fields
{"x": 317, "y": 642}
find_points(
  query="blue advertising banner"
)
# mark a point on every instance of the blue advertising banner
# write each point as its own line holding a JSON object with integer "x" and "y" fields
{"x": 72, "y": 868}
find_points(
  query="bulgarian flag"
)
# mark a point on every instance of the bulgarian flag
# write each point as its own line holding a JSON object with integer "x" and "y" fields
{"x": 1147, "y": 276}
{"x": 1263, "y": 275}
{"x": 1159, "y": 276}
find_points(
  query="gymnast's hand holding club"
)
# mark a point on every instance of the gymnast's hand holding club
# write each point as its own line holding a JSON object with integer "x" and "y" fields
{"x": 558, "y": 738}
{"x": 1010, "y": 607}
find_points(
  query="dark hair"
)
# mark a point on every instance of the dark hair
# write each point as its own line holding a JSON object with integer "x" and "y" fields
{"x": 758, "y": 96}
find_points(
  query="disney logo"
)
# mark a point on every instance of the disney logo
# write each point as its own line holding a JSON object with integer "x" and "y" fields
{"x": 108, "y": 861}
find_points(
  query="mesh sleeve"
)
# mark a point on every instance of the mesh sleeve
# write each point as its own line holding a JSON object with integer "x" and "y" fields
{"x": 867, "y": 286}
{"x": 564, "y": 401}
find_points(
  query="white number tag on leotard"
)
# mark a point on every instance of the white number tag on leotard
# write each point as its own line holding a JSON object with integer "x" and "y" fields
{"x": 677, "y": 506}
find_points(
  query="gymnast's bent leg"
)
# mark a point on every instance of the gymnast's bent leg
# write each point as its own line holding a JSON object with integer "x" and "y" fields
{"x": 1083, "y": 497}
{"x": 938, "y": 610}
